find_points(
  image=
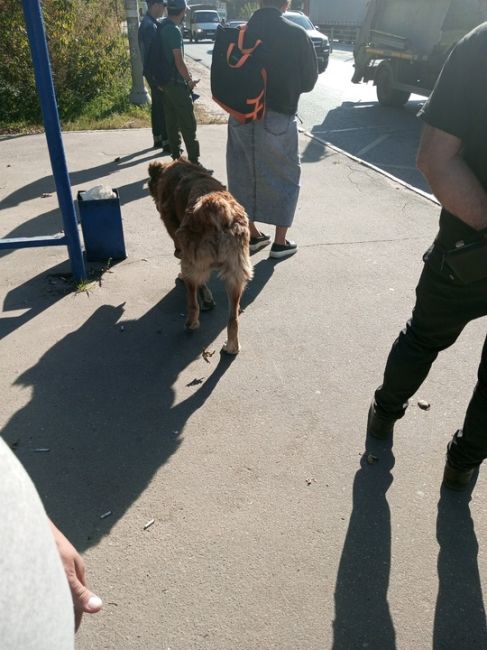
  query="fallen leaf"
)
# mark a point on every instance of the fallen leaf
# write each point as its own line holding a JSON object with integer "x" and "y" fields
{"x": 207, "y": 354}
{"x": 195, "y": 381}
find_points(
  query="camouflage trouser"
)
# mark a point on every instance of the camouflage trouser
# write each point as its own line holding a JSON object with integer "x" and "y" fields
{"x": 180, "y": 121}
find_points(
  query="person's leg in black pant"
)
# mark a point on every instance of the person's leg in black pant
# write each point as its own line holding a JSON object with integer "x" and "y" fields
{"x": 469, "y": 445}
{"x": 443, "y": 307}
{"x": 159, "y": 131}
{"x": 435, "y": 324}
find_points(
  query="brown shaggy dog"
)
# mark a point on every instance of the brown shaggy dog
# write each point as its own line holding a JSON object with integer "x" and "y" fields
{"x": 210, "y": 231}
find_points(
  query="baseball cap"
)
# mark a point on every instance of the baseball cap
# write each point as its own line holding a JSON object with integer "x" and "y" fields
{"x": 177, "y": 4}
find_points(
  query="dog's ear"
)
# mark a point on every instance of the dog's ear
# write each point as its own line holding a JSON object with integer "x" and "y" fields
{"x": 156, "y": 168}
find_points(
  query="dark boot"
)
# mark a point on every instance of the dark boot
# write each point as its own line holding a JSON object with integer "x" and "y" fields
{"x": 379, "y": 426}
{"x": 457, "y": 479}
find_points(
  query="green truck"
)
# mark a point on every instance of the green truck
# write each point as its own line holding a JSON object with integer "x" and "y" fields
{"x": 403, "y": 44}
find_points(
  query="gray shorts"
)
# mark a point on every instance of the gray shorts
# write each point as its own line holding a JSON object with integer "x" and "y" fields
{"x": 263, "y": 167}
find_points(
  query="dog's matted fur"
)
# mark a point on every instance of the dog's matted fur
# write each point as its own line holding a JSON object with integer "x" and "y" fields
{"x": 210, "y": 231}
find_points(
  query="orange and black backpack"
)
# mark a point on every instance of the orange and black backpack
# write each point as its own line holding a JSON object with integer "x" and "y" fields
{"x": 238, "y": 74}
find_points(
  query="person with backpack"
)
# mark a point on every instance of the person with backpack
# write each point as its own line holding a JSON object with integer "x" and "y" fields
{"x": 146, "y": 34}
{"x": 177, "y": 85}
{"x": 263, "y": 165}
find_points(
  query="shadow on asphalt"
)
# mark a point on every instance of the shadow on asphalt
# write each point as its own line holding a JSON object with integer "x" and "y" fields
{"x": 33, "y": 297}
{"x": 385, "y": 137}
{"x": 103, "y": 403}
{"x": 50, "y": 223}
{"x": 460, "y": 613}
{"x": 362, "y": 615}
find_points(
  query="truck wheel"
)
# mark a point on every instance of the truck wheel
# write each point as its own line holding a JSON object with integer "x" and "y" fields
{"x": 386, "y": 93}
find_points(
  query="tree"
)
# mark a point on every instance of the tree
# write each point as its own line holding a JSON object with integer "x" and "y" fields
{"x": 88, "y": 54}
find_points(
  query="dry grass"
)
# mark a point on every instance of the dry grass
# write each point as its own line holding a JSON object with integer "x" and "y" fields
{"x": 134, "y": 118}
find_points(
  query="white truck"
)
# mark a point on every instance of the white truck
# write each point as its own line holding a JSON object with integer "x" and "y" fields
{"x": 403, "y": 44}
{"x": 201, "y": 22}
{"x": 338, "y": 17}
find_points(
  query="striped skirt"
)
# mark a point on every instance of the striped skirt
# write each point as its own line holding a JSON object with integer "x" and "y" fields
{"x": 263, "y": 167}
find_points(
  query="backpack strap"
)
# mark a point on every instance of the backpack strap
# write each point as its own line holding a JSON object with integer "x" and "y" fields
{"x": 246, "y": 52}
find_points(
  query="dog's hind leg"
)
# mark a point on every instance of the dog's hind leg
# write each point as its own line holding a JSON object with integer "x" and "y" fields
{"x": 234, "y": 293}
{"x": 192, "y": 318}
{"x": 206, "y": 297}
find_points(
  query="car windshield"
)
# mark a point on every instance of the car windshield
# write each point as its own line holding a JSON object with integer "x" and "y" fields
{"x": 206, "y": 17}
{"x": 300, "y": 20}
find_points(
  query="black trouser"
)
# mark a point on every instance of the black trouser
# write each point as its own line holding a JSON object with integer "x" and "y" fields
{"x": 158, "y": 120}
{"x": 443, "y": 307}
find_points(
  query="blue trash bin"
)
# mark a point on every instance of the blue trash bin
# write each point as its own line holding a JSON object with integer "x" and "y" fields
{"x": 101, "y": 223}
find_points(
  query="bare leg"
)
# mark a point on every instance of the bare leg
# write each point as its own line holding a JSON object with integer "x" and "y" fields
{"x": 281, "y": 232}
{"x": 192, "y": 318}
{"x": 234, "y": 294}
{"x": 254, "y": 232}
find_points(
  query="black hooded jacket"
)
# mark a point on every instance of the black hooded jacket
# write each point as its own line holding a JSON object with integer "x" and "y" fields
{"x": 289, "y": 58}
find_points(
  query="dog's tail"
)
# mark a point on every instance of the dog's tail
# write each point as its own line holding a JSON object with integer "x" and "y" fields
{"x": 220, "y": 213}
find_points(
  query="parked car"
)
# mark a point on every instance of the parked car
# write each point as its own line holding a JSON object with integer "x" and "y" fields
{"x": 203, "y": 24}
{"x": 235, "y": 23}
{"x": 320, "y": 41}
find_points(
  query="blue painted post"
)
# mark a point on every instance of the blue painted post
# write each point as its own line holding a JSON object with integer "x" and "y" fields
{"x": 45, "y": 87}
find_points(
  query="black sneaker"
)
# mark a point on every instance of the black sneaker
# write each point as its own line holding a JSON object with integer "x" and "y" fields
{"x": 379, "y": 426}
{"x": 203, "y": 168}
{"x": 256, "y": 243}
{"x": 457, "y": 479}
{"x": 283, "y": 250}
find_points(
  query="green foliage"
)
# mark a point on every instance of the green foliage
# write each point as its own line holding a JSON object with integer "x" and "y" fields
{"x": 246, "y": 10}
{"x": 89, "y": 57}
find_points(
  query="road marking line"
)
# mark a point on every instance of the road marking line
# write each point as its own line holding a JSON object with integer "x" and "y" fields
{"x": 383, "y": 172}
{"x": 399, "y": 166}
{"x": 373, "y": 144}
{"x": 355, "y": 128}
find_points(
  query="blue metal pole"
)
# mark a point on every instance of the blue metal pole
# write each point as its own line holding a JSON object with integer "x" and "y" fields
{"x": 45, "y": 87}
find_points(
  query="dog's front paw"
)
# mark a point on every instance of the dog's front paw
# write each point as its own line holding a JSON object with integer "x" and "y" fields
{"x": 231, "y": 348}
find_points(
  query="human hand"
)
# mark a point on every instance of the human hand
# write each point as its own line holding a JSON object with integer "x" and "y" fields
{"x": 84, "y": 600}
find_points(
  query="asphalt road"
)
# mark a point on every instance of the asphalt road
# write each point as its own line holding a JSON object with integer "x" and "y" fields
{"x": 350, "y": 117}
